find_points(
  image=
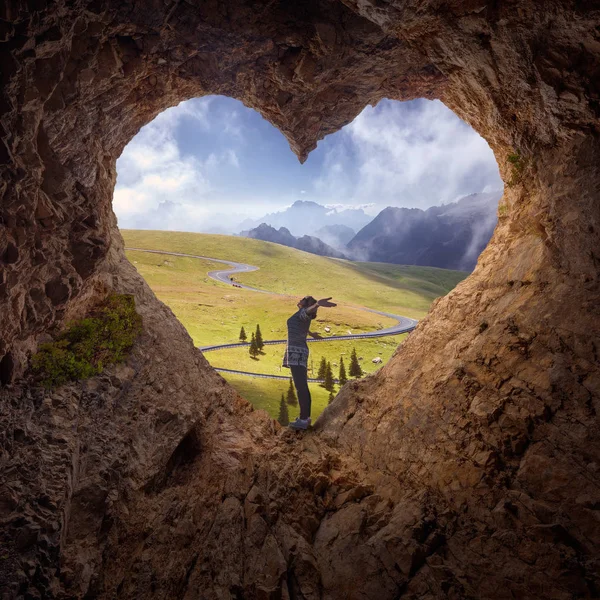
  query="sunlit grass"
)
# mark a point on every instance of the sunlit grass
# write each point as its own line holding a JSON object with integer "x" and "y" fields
{"x": 269, "y": 363}
{"x": 213, "y": 313}
{"x": 391, "y": 288}
{"x": 265, "y": 394}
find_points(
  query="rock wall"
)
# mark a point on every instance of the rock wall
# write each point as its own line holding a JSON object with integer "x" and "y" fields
{"x": 468, "y": 467}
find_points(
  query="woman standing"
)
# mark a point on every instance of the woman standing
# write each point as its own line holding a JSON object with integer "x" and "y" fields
{"x": 296, "y": 353}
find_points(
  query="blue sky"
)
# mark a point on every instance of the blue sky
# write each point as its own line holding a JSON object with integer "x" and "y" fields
{"x": 209, "y": 163}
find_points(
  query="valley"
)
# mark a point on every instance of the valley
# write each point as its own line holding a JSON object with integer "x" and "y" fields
{"x": 213, "y": 312}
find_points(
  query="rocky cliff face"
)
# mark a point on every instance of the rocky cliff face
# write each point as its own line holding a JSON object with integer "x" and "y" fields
{"x": 468, "y": 467}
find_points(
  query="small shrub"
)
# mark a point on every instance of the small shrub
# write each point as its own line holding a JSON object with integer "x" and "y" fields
{"x": 89, "y": 345}
{"x": 518, "y": 164}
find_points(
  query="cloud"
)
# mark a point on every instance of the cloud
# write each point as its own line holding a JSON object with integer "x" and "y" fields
{"x": 175, "y": 216}
{"x": 233, "y": 125}
{"x": 158, "y": 185}
{"x": 199, "y": 109}
{"x": 212, "y": 155}
{"x": 339, "y": 207}
{"x": 233, "y": 159}
{"x": 412, "y": 154}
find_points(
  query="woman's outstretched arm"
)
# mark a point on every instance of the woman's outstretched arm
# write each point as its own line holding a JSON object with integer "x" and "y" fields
{"x": 323, "y": 302}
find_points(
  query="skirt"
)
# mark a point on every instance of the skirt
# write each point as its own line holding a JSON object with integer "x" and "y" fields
{"x": 295, "y": 356}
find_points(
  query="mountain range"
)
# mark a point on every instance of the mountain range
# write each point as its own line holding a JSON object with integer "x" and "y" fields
{"x": 450, "y": 236}
{"x": 305, "y": 217}
{"x": 283, "y": 236}
{"x": 336, "y": 235}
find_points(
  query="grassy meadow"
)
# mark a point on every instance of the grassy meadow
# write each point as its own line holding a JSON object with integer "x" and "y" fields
{"x": 390, "y": 288}
{"x": 213, "y": 313}
{"x": 266, "y": 394}
{"x": 269, "y": 362}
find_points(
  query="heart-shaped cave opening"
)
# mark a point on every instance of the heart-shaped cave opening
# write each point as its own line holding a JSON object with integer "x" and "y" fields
{"x": 458, "y": 469}
{"x": 386, "y": 215}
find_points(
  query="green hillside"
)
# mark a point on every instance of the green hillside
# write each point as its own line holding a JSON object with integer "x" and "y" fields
{"x": 266, "y": 394}
{"x": 289, "y": 271}
{"x": 269, "y": 362}
{"x": 213, "y": 312}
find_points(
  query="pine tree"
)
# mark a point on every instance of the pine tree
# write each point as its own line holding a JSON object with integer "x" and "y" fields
{"x": 253, "y": 347}
{"x": 343, "y": 377}
{"x": 322, "y": 368}
{"x": 243, "y": 336}
{"x": 259, "y": 341}
{"x": 328, "y": 385}
{"x": 291, "y": 395}
{"x": 284, "y": 417}
{"x": 331, "y": 397}
{"x": 355, "y": 370}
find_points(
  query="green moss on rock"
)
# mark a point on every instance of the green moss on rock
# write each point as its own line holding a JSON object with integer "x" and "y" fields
{"x": 89, "y": 345}
{"x": 518, "y": 165}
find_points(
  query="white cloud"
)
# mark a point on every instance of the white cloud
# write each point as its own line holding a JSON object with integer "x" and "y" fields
{"x": 198, "y": 109}
{"x": 199, "y": 160}
{"x": 160, "y": 187}
{"x": 233, "y": 159}
{"x": 234, "y": 125}
{"x": 416, "y": 154}
{"x": 340, "y": 207}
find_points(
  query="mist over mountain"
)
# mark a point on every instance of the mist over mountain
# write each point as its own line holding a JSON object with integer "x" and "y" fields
{"x": 336, "y": 235}
{"x": 450, "y": 236}
{"x": 305, "y": 217}
{"x": 283, "y": 236}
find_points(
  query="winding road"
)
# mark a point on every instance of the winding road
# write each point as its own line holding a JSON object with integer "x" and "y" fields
{"x": 403, "y": 325}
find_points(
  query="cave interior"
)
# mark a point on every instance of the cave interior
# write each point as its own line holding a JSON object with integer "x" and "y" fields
{"x": 466, "y": 468}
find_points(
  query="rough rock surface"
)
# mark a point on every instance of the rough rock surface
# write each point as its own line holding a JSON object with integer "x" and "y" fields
{"x": 468, "y": 467}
